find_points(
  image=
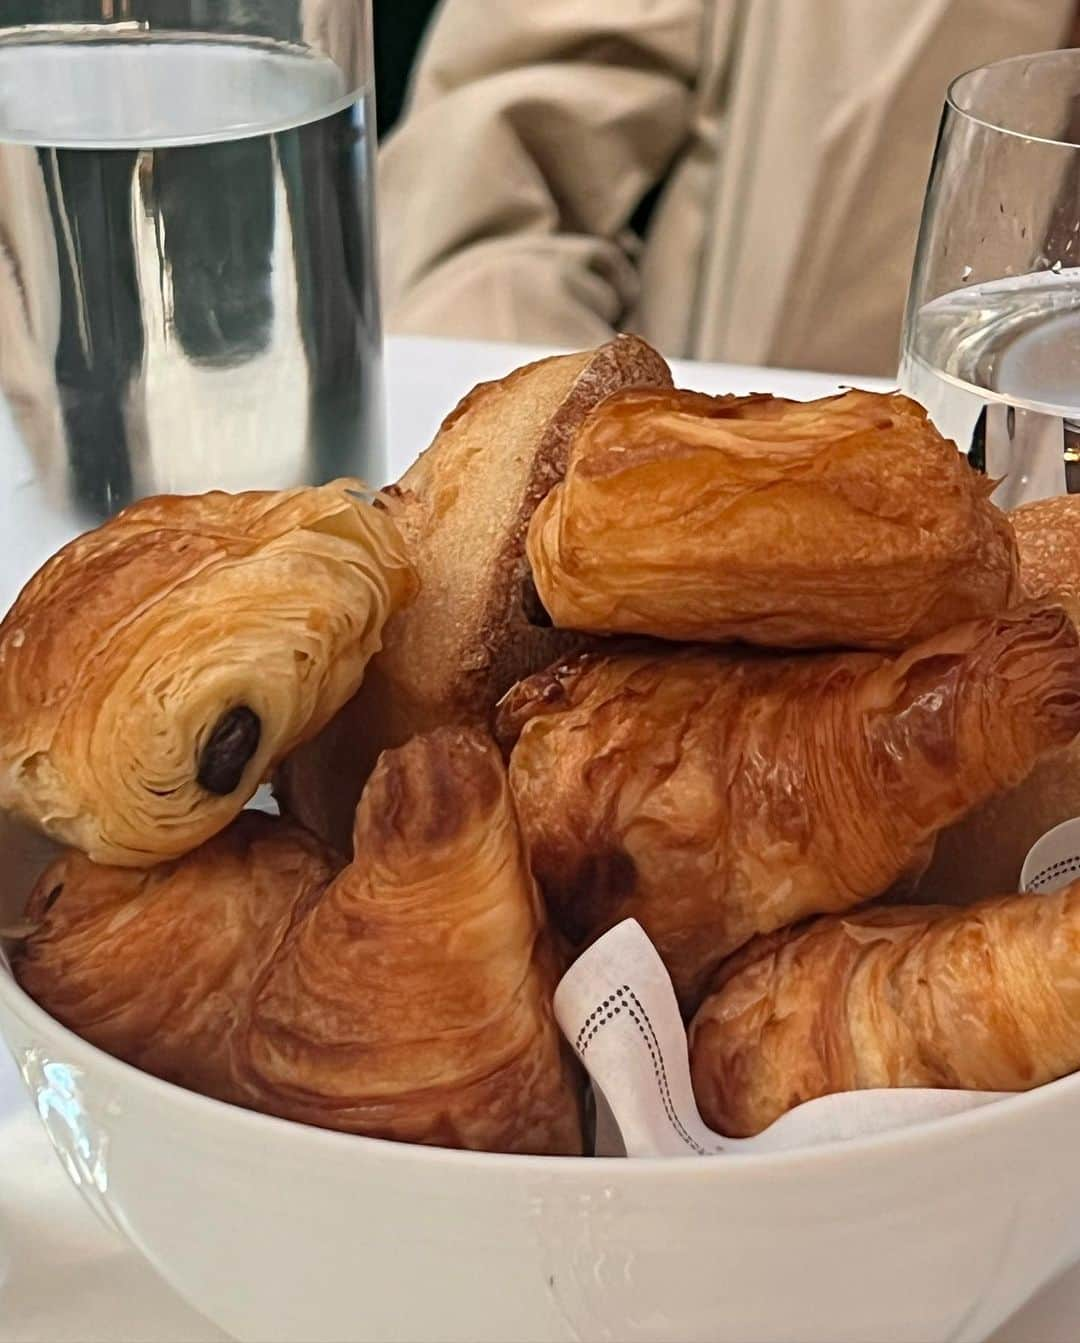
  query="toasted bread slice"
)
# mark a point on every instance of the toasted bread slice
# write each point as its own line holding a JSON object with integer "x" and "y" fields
{"x": 475, "y": 628}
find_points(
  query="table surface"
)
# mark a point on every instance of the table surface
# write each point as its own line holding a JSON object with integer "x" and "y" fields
{"x": 64, "y": 1278}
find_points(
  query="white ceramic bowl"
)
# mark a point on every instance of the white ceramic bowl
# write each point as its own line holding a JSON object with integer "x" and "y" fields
{"x": 276, "y": 1231}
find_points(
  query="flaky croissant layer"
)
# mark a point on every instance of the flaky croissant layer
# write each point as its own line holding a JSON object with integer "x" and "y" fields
{"x": 984, "y": 851}
{"x": 847, "y": 521}
{"x": 715, "y": 796}
{"x": 158, "y": 966}
{"x": 985, "y": 999}
{"x": 406, "y": 997}
{"x": 155, "y": 671}
{"x": 414, "y": 1001}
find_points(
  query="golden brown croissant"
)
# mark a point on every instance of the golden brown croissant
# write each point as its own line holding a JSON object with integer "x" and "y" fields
{"x": 986, "y": 999}
{"x": 414, "y": 1001}
{"x": 984, "y": 852}
{"x": 158, "y": 965}
{"x": 714, "y": 796}
{"x": 409, "y": 998}
{"x": 845, "y": 521}
{"x": 156, "y": 669}
{"x": 475, "y": 628}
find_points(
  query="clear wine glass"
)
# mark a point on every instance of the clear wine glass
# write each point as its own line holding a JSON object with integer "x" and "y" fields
{"x": 991, "y": 340}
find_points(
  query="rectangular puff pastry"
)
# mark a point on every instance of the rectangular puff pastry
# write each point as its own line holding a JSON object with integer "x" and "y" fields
{"x": 847, "y": 521}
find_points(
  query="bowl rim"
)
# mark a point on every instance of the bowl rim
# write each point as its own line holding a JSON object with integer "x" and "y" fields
{"x": 910, "y": 1139}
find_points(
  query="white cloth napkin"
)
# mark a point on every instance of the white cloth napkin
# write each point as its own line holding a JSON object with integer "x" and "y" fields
{"x": 617, "y": 1008}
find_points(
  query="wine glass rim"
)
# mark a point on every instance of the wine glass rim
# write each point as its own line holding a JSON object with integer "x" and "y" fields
{"x": 952, "y": 102}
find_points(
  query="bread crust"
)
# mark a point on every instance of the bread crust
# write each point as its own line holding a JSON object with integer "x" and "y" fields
{"x": 464, "y": 509}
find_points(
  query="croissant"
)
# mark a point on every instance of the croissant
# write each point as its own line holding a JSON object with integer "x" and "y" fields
{"x": 984, "y": 852}
{"x": 157, "y": 965}
{"x": 713, "y": 796}
{"x": 985, "y": 998}
{"x": 414, "y": 1001}
{"x": 156, "y": 669}
{"x": 409, "y": 997}
{"x": 844, "y": 521}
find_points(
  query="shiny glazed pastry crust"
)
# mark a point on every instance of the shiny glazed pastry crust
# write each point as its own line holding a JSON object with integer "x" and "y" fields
{"x": 414, "y": 1001}
{"x": 845, "y": 521}
{"x": 407, "y": 997}
{"x": 982, "y": 854}
{"x": 985, "y": 998}
{"x": 155, "y": 671}
{"x": 714, "y": 796}
{"x": 157, "y": 965}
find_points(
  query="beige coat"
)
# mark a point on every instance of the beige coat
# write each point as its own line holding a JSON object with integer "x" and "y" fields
{"x": 792, "y": 140}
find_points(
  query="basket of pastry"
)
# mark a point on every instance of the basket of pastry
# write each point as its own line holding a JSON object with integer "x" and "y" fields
{"x": 775, "y": 681}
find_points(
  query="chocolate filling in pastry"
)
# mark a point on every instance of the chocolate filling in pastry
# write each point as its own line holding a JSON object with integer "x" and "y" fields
{"x": 232, "y": 744}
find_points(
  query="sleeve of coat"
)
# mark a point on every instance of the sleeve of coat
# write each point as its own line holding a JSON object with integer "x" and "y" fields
{"x": 534, "y": 129}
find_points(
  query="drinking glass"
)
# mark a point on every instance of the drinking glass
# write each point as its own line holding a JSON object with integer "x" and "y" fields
{"x": 188, "y": 293}
{"x": 992, "y": 334}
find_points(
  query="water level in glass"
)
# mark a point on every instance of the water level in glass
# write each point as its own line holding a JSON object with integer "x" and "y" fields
{"x": 187, "y": 280}
{"x": 997, "y": 365}
{"x": 160, "y": 90}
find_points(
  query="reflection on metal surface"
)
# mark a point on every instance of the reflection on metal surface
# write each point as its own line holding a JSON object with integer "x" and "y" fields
{"x": 181, "y": 316}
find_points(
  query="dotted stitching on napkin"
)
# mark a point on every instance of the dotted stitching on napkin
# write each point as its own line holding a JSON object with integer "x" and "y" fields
{"x": 661, "y": 1073}
{"x": 608, "y": 1010}
{"x": 605, "y": 1011}
{"x": 1058, "y": 869}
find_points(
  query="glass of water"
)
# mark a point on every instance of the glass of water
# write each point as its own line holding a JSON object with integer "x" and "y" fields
{"x": 188, "y": 295}
{"x": 992, "y": 335}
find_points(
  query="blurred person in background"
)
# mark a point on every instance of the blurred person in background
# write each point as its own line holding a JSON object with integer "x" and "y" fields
{"x": 733, "y": 179}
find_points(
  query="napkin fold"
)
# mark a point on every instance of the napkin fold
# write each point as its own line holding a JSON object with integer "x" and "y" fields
{"x": 617, "y": 1007}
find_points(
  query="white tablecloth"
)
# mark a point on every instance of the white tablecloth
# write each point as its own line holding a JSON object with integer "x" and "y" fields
{"x": 63, "y": 1277}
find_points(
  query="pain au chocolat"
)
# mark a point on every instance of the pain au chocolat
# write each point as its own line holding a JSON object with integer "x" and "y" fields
{"x": 846, "y": 522}
{"x": 155, "y": 671}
